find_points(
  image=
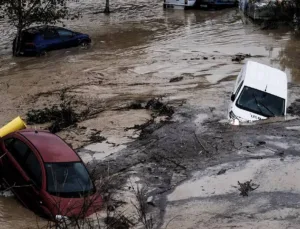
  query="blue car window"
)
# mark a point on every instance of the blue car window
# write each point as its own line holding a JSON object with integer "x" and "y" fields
{"x": 50, "y": 34}
{"x": 64, "y": 33}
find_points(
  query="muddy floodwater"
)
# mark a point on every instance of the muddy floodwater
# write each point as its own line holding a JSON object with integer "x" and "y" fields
{"x": 135, "y": 52}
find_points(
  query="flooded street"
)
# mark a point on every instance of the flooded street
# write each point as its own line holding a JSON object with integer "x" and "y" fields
{"x": 136, "y": 52}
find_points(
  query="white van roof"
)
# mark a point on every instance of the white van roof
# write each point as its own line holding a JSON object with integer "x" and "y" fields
{"x": 265, "y": 78}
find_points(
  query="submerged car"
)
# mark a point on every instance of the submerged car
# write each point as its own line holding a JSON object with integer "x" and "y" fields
{"x": 187, "y": 4}
{"x": 39, "y": 40}
{"x": 46, "y": 175}
{"x": 260, "y": 92}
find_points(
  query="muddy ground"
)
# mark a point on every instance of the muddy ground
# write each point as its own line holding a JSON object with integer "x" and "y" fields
{"x": 141, "y": 52}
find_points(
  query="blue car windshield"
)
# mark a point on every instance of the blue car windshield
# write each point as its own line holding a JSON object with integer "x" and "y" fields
{"x": 261, "y": 103}
{"x": 68, "y": 179}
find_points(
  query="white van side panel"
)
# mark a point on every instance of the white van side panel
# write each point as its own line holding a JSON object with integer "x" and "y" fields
{"x": 240, "y": 78}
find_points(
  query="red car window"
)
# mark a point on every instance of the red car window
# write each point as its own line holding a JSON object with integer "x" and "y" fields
{"x": 68, "y": 179}
{"x": 26, "y": 159}
{"x": 33, "y": 169}
{"x": 17, "y": 148}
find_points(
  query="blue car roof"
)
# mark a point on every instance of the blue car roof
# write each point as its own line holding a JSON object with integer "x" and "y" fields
{"x": 40, "y": 29}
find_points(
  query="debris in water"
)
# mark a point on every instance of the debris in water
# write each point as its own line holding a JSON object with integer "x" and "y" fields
{"x": 247, "y": 187}
{"x": 261, "y": 143}
{"x": 269, "y": 24}
{"x": 96, "y": 137}
{"x": 157, "y": 106}
{"x": 281, "y": 153}
{"x": 60, "y": 117}
{"x": 136, "y": 106}
{"x": 240, "y": 56}
{"x": 222, "y": 171}
{"x": 294, "y": 108}
{"x": 120, "y": 222}
{"x": 176, "y": 79}
{"x": 141, "y": 126}
{"x": 150, "y": 201}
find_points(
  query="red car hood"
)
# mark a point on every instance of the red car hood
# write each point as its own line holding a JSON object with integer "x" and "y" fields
{"x": 74, "y": 207}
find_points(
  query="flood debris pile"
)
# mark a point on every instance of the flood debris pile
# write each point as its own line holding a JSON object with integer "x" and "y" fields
{"x": 222, "y": 171}
{"x": 176, "y": 79}
{"x": 269, "y": 10}
{"x": 156, "y": 105}
{"x": 294, "y": 108}
{"x": 95, "y": 137}
{"x": 141, "y": 207}
{"x": 247, "y": 187}
{"x": 159, "y": 109}
{"x": 118, "y": 223}
{"x": 239, "y": 57}
{"x": 59, "y": 116}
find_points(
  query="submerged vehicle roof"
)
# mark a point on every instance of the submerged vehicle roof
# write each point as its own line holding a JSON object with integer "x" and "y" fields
{"x": 265, "y": 78}
{"x": 51, "y": 147}
{"x": 40, "y": 29}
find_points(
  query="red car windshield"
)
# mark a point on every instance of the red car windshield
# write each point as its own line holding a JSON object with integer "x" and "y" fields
{"x": 68, "y": 179}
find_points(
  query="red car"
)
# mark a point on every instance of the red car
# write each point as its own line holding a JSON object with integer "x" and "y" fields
{"x": 46, "y": 175}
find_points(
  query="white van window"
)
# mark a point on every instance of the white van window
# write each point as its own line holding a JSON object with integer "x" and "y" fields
{"x": 261, "y": 102}
{"x": 239, "y": 88}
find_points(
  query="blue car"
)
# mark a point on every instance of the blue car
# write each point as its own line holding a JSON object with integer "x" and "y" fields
{"x": 39, "y": 40}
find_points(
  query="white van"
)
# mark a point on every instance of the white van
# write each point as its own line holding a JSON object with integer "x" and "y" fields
{"x": 179, "y": 4}
{"x": 260, "y": 92}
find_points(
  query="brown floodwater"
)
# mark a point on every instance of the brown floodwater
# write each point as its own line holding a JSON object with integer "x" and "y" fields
{"x": 135, "y": 52}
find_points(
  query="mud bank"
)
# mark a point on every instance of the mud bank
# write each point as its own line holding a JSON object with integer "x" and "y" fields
{"x": 180, "y": 162}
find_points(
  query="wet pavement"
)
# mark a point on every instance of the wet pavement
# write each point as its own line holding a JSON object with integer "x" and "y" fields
{"x": 136, "y": 51}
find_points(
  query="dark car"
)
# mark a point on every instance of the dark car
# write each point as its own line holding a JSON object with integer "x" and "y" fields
{"x": 39, "y": 40}
{"x": 46, "y": 175}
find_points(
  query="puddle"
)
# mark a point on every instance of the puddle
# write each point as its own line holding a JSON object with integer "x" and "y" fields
{"x": 102, "y": 150}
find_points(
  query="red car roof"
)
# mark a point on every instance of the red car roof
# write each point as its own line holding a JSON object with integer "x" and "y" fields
{"x": 51, "y": 147}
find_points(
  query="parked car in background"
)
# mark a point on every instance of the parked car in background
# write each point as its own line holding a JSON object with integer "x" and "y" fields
{"x": 179, "y": 4}
{"x": 216, "y": 4}
{"x": 46, "y": 175}
{"x": 41, "y": 39}
{"x": 260, "y": 92}
{"x": 187, "y": 4}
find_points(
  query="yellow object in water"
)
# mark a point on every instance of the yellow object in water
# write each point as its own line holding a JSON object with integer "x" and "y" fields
{"x": 14, "y": 125}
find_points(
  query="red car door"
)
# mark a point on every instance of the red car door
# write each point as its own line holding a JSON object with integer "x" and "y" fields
{"x": 22, "y": 172}
{"x": 14, "y": 153}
